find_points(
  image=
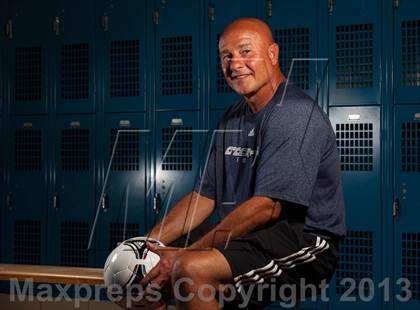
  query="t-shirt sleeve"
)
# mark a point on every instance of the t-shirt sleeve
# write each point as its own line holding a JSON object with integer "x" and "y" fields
{"x": 206, "y": 184}
{"x": 289, "y": 160}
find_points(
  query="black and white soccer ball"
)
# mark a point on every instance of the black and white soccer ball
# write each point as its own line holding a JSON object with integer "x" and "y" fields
{"x": 128, "y": 263}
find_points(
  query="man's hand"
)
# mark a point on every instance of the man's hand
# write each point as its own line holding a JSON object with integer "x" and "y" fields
{"x": 160, "y": 275}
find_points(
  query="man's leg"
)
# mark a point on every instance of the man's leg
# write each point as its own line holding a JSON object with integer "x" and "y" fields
{"x": 197, "y": 277}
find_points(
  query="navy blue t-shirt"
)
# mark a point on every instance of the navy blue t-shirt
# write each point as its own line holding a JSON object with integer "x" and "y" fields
{"x": 285, "y": 151}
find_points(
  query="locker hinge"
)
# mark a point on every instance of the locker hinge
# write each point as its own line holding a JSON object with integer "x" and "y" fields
{"x": 56, "y": 25}
{"x": 9, "y": 200}
{"x": 156, "y": 16}
{"x": 105, "y": 202}
{"x": 396, "y": 3}
{"x": 9, "y": 29}
{"x": 104, "y": 23}
{"x": 330, "y": 7}
{"x": 157, "y": 202}
{"x": 269, "y": 8}
{"x": 396, "y": 208}
{"x": 211, "y": 12}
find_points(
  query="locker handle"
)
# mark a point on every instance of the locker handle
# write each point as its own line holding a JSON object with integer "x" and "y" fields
{"x": 9, "y": 29}
{"x": 56, "y": 201}
{"x": 56, "y": 25}
{"x": 104, "y": 23}
{"x": 105, "y": 202}
{"x": 211, "y": 13}
{"x": 157, "y": 202}
{"x": 330, "y": 7}
{"x": 269, "y": 8}
{"x": 9, "y": 200}
{"x": 396, "y": 208}
{"x": 156, "y": 16}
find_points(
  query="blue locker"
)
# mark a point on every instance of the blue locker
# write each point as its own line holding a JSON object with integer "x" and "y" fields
{"x": 295, "y": 26}
{"x": 179, "y": 42}
{"x": 360, "y": 258}
{"x": 5, "y": 59}
{"x": 215, "y": 117}
{"x": 406, "y": 52}
{"x": 124, "y": 53}
{"x": 123, "y": 209}
{"x": 179, "y": 150}
{"x": 73, "y": 194}
{"x": 74, "y": 23}
{"x": 25, "y": 220}
{"x": 355, "y": 52}
{"x": 29, "y": 56}
{"x": 407, "y": 206}
{"x": 3, "y": 74}
{"x": 221, "y": 95}
{"x": 2, "y": 202}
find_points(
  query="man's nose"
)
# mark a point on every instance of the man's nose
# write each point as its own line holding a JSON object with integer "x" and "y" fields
{"x": 236, "y": 63}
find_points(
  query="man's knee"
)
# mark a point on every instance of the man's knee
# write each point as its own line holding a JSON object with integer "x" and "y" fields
{"x": 188, "y": 266}
{"x": 201, "y": 267}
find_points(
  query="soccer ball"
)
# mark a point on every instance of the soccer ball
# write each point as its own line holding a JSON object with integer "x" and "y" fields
{"x": 128, "y": 263}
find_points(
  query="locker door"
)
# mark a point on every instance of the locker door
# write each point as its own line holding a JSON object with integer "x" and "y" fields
{"x": 357, "y": 131}
{"x": 124, "y": 212}
{"x": 179, "y": 34}
{"x": 221, "y": 95}
{"x": 355, "y": 50}
{"x": 2, "y": 190}
{"x": 179, "y": 150}
{"x": 406, "y": 195}
{"x": 74, "y": 53}
{"x": 29, "y": 56}
{"x": 3, "y": 73}
{"x": 124, "y": 52}
{"x": 406, "y": 52}
{"x": 295, "y": 29}
{"x": 25, "y": 212}
{"x": 73, "y": 195}
{"x": 5, "y": 61}
{"x": 215, "y": 117}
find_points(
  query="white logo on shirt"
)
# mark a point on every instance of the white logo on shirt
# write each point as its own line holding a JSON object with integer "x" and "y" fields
{"x": 251, "y": 133}
{"x": 239, "y": 151}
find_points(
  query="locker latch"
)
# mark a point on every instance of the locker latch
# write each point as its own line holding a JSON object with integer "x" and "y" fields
{"x": 56, "y": 25}
{"x": 156, "y": 17}
{"x": 269, "y": 8}
{"x": 396, "y": 208}
{"x": 9, "y": 29}
{"x": 211, "y": 13}
{"x": 105, "y": 202}
{"x": 330, "y": 7}
{"x": 104, "y": 23}
{"x": 157, "y": 202}
{"x": 396, "y": 4}
{"x": 56, "y": 200}
{"x": 9, "y": 200}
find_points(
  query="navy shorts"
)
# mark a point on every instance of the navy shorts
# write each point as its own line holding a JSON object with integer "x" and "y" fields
{"x": 279, "y": 255}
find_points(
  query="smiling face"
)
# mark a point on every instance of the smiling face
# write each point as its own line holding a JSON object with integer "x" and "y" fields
{"x": 249, "y": 59}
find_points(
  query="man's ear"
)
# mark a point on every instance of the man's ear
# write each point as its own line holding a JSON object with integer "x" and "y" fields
{"x": 273, "y": 53}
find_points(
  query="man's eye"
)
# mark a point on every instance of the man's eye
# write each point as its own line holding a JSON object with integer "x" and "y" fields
{"x": 246, "y": 51}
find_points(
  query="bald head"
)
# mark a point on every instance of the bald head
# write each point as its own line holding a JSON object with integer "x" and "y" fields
{"x": 249, "y": 60}
{"x": 254, "y": 25}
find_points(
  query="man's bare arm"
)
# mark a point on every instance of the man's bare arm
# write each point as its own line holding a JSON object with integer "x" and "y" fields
{"x": 187, "y": 214}
{"x": 249, "y": 216}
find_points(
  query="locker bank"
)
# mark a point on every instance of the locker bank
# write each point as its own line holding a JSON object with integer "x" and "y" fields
{"x": 108, "y": 109}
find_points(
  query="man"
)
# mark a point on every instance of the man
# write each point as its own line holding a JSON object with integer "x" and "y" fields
{"x": 273, "y": 176}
